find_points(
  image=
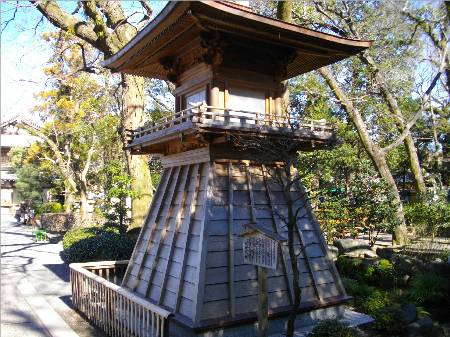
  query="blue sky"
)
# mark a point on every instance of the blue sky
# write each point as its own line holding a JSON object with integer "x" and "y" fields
{"x": 24, "y": 54}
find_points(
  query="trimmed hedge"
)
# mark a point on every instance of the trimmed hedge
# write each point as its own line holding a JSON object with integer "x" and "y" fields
{"x": 332, "y": 328}
{"x": 86, "y": 244}
{"x": 50, "y": 207}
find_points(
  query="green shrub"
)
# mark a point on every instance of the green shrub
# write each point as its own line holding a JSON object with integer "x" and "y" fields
{"x": 429, "y": 216}
{"x": 376, "y": 300}
{"x": 357, "y": 289}
{"x": 49, "y": 207}
{"x": 377, "y": 303}
{"x": 385, "y": 274}
{"x": 389, "y": 319}
{"x": 428, "y": 288}
{"x": 350, "y": 267}
{"x": 332, "y": 328}
{"x": 95, "y": 244}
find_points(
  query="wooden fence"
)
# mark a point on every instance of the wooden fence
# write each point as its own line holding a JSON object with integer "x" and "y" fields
{"x": 114, "y": 309}
{"x": 217, "y": 116}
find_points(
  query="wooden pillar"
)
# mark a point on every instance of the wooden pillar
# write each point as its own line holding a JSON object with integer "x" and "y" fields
{"x": 263, "y": 303}
{"x": 214, "y": 95}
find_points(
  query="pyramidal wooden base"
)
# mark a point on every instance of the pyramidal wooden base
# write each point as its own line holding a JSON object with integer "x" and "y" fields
{"x": 188, "y": 258}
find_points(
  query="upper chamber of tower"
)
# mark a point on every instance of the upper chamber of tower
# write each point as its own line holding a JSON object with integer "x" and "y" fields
{"x": 228, "y": 66}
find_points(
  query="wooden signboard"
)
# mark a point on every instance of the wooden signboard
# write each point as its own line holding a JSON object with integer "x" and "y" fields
{"x": 260, "y": 250}
{"x": 260, "y": 247}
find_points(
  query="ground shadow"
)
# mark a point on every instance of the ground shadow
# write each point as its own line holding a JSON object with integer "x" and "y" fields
{"x": 90, "y": 329}
{"x": 67, "y": 299}
{"x": 28, "y": 322}
{"x": 24, "y": 246}
{"x": 61, "y": 270}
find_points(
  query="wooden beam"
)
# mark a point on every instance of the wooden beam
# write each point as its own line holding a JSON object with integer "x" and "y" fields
{"x": 201, "y": 262}
{"x": 299, "y": 233}
{"x": 180, "y": 203}
{"x": 282, "y": 248}
{"x": 319, "y": 234}
{"x": 185, "y": 228}
{"x": 146, "y": 233}
{"x": 161, "y": 222}
{"x": 232, "y": 294}
{"x": 250, "y": 191}
{"x": 263, "y": 302}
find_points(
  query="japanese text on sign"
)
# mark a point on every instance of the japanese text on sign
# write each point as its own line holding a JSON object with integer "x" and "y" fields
{"x": 260, "y": 250}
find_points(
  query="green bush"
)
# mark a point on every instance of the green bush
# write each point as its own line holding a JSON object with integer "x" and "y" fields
{"x": 332, "y": 328}
{"x": 350, "y": 267}
{"x": 377, "y": 303}
{"x": 385, "y": 274}
{"x": 428, "y": 288}
{"x": 359, "y": 290}
{"x": 376, "y": 300}
{"x": 430, "y": 216}
{"x": 389, "y": 319}
{"x": 95, "y": 244}
{"x": 49, "y": 207}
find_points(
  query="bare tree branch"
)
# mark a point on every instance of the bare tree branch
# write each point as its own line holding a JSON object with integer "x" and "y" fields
{"x": 6, "y": 23}
{"x": 423, "y": 106}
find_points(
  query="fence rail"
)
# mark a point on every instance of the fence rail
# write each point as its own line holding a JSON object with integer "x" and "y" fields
{"x": 218, "y": 116}
{"x": 116, "y": 310}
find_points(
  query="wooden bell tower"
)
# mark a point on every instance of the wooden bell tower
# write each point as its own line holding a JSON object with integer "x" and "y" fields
{"x": 228, "y": 65}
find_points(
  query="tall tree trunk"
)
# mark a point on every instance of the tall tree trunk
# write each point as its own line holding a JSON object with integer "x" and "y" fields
{"x": 83, "y": 204}
{"x": 284, "y": 12}
{"x": 376, "y": 154}
{"x": 132, "y": 115}
{"x": 291, "y": 224}
{"x": 108, "y": 30}
{"x": 414, "y": 164}
{"x": 69, "y": 196}
{"x": 410, "y": 147}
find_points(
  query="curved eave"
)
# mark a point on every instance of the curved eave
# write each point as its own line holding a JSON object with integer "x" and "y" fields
{"x": 222, "y": 16}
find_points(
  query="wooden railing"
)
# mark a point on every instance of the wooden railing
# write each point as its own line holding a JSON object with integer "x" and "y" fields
{"x": 116, "y": 310}
{"x": 216, "y": 116}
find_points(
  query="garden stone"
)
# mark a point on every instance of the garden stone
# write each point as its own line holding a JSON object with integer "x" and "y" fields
{"x": 348, "y": 245}
{"x": 369, "y": 262}
{"x": 386, "y": 253}
{"x": 404, "y": 280}
{"x": 409, "y": 312}
{"x": 420, "y": 326}
{"x": 361, "y": 252}
{"x": 334, "y": 252}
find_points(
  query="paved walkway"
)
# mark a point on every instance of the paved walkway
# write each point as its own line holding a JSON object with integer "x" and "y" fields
{"x": 35, "y": 288}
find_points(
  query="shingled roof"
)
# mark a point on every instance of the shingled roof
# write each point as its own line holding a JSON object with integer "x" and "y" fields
{"x": 181, "y": 22}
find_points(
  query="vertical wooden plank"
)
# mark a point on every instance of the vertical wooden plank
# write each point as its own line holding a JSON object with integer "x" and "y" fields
{"x": 146, "y": 331}
{"x": 108, "y": 312}
{"x": 153, "y": 323}
{"x": 231, "y": 241}
{"x": 201, "y": 262}
{"x": 319, "y": 235}
{"x": 282, "y": 248}
{"x": 263, "y": 303}
{"x": 163, "y": 225}
{"x": 305, "y": 254}
{"x": 158, "y": 331}
{"x": 185, "y": 228}
{"x": 149, "y": 225}
{"x": 128, "y": 310}
{"x": 180, "y": 204}
{"x": 250, "y": 192}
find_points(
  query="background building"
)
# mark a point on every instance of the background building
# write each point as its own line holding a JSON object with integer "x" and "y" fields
{"x": 11, "y": 136}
